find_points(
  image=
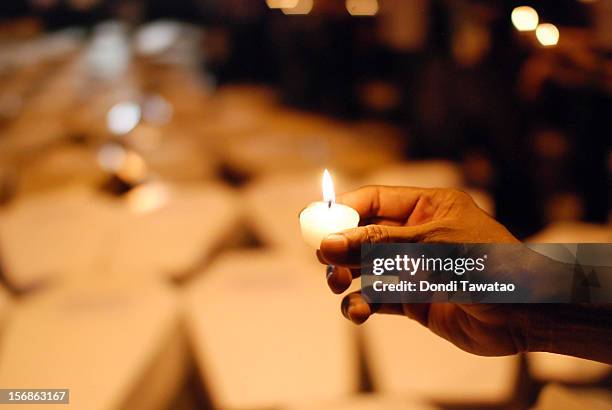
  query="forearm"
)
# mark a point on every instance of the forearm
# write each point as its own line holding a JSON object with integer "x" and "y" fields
{"x": 581, "y": 330}
{"x": 575, "y": 329}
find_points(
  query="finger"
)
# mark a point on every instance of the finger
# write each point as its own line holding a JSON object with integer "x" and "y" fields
{"x": 355, "y": 308}
{"x": 320, "y": 258}
{"x": 383, "y": 201}
{"x": 344, "y": 248}
{"x": 355, "y": 272}
{"x": 340, "y": 278}
{"x": 381, "y": 221}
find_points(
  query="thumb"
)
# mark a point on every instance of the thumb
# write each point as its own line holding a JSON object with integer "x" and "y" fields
{"x": 344, "y": 248}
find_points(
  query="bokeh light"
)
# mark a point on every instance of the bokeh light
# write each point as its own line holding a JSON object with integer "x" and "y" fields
{"x": 524, "y": 18}
{"x": 362, "y": 7}
{"x": 282, "y": 4}
{"x": 547, "y": 34}
{"x": 302, "y": 7}
{"x": 147, "y": 198}
{"x": 157, "y": 110}
{"x": 133, "y": 170}
{"x": 123, "y": 117}
{"x": 111, "y": 157}
{"x": 156, "y": 37}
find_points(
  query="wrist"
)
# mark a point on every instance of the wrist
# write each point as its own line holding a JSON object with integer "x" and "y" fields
{"x": 520, "y": 327}
{"x": 537, "y": 328}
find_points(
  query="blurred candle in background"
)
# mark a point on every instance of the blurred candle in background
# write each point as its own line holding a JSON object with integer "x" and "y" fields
{"x": 302, "y": 7}
{"x": 282, "y": 4}
{"x": 547, "y": 34}
{"x": 524, "y": 18}
{"x": 123, "y": 117}
{"x": 320, "y": 219}
{"x": 362, "y": 7}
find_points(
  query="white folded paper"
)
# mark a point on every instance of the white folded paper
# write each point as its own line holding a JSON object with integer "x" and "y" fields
{"x": 267, "y": 332}
{"x": 113, "y": 345}
{"x": 407, "y": 358}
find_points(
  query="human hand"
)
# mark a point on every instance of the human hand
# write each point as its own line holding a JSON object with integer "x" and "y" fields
{"x": 400, "y": 214}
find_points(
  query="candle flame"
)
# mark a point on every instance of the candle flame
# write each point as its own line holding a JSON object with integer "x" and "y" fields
{"x": 329, "y": 195}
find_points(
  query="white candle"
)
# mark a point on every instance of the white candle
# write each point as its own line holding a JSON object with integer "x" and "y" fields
{"x": 325, "y": 217}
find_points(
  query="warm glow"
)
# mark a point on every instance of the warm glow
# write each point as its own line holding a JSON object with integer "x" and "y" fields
{"x": 322, "y": 218}
{"x": 133, "y": 169}
{"x": 282, "y": 4}
{"x": 524, "y": 18}
{"x": 147, "y": 198}
{"x": 157, "y": 37}
{"x": 108, "y": 54}
{"x": 329, "y": 195}
{"x": 362, "y": 7}
{"x": 128, "y": 165}
{"x": 547, "y": 34}
{"x": 123, "y": 117}
{"x": 303, "y": 7}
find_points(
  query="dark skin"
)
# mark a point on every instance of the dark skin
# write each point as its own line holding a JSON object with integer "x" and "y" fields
{"x": 402, "y": 214}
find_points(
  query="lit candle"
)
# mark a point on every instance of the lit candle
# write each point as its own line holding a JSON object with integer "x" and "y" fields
{"x": 325, "y": 217}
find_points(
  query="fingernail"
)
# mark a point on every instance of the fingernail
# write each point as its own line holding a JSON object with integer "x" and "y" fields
{"x": 344, "y": 307}
{"x": 348, "y": 314}
{"x": 330, "y": 271}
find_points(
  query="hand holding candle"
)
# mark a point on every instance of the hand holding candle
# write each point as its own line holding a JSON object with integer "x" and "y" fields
{"x": 323, "y": 218}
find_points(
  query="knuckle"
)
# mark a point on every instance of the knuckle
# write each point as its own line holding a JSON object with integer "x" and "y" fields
{"x": 458, "y": 196}
{"x": 457, "y": 193}
{"x": 373, "y": 192}
{"x": 439, "y": 233}
{"x": 376, "y": 233}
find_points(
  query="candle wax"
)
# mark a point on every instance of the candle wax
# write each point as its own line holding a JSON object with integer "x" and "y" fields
{"x": 320, "y": 219}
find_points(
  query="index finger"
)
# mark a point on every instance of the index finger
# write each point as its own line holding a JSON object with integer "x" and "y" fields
{"x": 377, "y": 201}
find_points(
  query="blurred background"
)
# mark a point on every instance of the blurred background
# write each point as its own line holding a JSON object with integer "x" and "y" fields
{"x": 154, "y": 157}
